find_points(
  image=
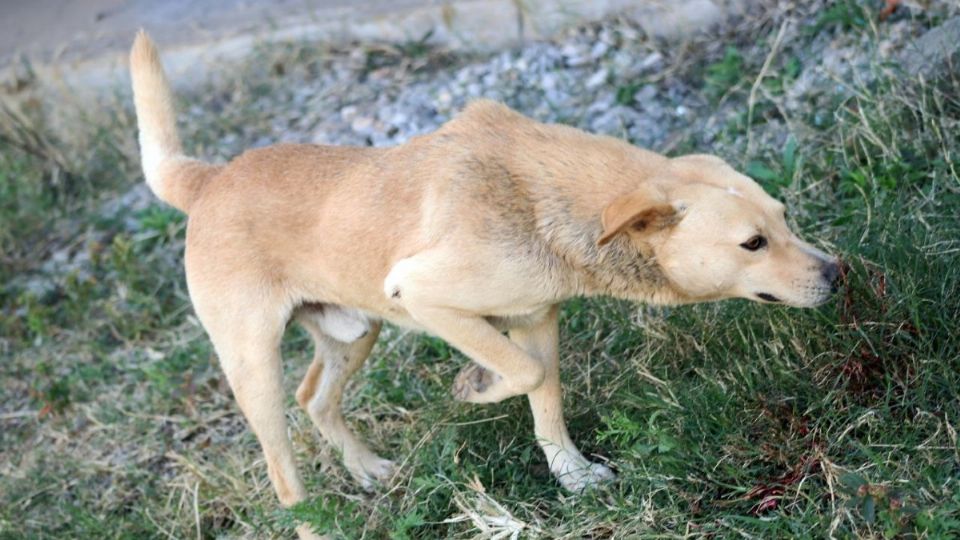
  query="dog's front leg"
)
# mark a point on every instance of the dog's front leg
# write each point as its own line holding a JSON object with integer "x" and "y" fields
{"x": 507, "y": 369}
{"x": 443, "y": 308}
{"x": 566, "y": 462}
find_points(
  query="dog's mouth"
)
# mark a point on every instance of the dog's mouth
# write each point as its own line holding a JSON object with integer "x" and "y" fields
{"x": 815, "y": 297}
{"x": 767, "y": 297}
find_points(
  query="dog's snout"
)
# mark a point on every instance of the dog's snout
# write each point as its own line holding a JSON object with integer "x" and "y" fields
{"x": 832, "y": 273}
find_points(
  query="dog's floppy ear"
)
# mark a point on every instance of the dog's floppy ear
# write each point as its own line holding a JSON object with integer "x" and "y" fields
{"x": 644, "y": 210}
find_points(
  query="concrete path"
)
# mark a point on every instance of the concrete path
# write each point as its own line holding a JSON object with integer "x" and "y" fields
{"x": 72, "y": 30}
{"x": 80, "y": 42}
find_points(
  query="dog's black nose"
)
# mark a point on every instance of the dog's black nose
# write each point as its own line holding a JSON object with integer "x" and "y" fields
{"x": 831, "y": 273}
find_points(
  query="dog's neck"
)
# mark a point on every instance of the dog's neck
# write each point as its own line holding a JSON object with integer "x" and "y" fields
{"x": 569, "y": 177}
{"x": 568, "y": 209}
{"x": 616, "y": 269}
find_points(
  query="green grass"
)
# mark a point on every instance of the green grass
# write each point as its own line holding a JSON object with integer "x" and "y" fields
{"x": 722, "y": 420}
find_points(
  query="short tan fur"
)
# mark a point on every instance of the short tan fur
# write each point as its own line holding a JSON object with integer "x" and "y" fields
{"x": 484, "y": 226}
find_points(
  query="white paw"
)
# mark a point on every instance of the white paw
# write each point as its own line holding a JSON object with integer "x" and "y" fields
{"x": 577, "y": 474}
{"x": 371, "y": 471}
{"x": 304, "y": 532}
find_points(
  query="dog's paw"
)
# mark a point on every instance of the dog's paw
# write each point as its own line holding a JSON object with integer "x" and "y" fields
{"x": 475, "y": 384}
{"x": 578, "y": 475}
{"x": 372, "y": 471}
{"x": 305, "y": 532}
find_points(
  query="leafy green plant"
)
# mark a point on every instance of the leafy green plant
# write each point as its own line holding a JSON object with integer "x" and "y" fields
{"x": 724, "y": 75}
{"x": 774, "y": 180}
{"x": 846, "y": 15}
{"x": 625, "y": 93}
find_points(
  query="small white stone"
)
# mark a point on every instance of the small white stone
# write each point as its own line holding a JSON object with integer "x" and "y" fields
{"x": 652, "y": 60}
{"x": 599, "y": 49}
{"x": 597, "y": 79}
{"x": 348, "y": 113}
{"x": 645, "y": 94}
{"x": 575, "y": 55}
{"x": 362, "y": 125}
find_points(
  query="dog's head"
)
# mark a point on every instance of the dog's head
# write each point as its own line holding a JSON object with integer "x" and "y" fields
{"x": 716, "y": 234}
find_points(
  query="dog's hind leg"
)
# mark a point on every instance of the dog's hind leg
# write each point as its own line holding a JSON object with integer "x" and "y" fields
{"x": 573, "y": 470}
{"x": 323, "y": 321}
{"x": 248, "y": 344}
{"x": 321, "y": 394}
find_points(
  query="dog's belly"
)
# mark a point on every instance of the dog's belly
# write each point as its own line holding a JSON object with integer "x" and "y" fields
{"x": 521, "y": 320}
{"x": 343, "y": 320}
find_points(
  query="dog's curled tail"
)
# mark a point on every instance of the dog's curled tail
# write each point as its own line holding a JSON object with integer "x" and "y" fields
{"x": 174, "y": 177}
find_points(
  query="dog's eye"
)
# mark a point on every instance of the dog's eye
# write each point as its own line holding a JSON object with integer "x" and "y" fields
{"x": 754, "y": 243}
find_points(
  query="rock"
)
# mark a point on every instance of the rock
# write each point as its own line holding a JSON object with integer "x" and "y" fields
{"x": 399, "y": 119}
{"x": 576, "y": 54}
{"x": 348, "y": 113}
{"x": 599, "y": 50}
{"x": 646, "y": 94}
{"x": 444, "y": 99}
{"x": 935, "y": 51}
{"x": 627, "y": 66}
{"x": 598, "y": 79}
{"x": 653, "y": 61}
{"x": 321, "y": 137}
{"x": 548, "y": 81}
{"x": 615, "y": 120}
{"x": 362, "y": 125}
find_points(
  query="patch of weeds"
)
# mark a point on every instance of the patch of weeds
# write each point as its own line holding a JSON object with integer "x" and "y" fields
{"x": 937, "y": 521}
{"x": 724, "y": 75}
{"x": 30, "y": 318}
{"x": 405, "y": 527}
{"x": 878, "y": 506}
{"x": 159, "y": 226}
{"x": 170, "y": 373}
{"x": 338, "y": 516}
{"x": 644, "y": 442}
{"x": 783, "y": 76}
{"x": 27, "y": 134}
{"x": 626, "y": 91}
{"x": 44, "y": 178}
{"x": 844, "y": 15}
{"x": 51, "y": 390}
{"x": 417, "y": 48}
{"x": 777, "y": 175}
{"x": 413, "y": 55}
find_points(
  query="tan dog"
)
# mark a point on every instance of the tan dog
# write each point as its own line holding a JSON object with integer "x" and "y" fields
{"x": 484, "y": 226}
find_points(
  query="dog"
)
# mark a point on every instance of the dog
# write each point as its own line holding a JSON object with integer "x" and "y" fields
{"x": 481, "y": 228}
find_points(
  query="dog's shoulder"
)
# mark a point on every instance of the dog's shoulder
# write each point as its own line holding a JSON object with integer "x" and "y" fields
{"x": 486, "y": 118}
